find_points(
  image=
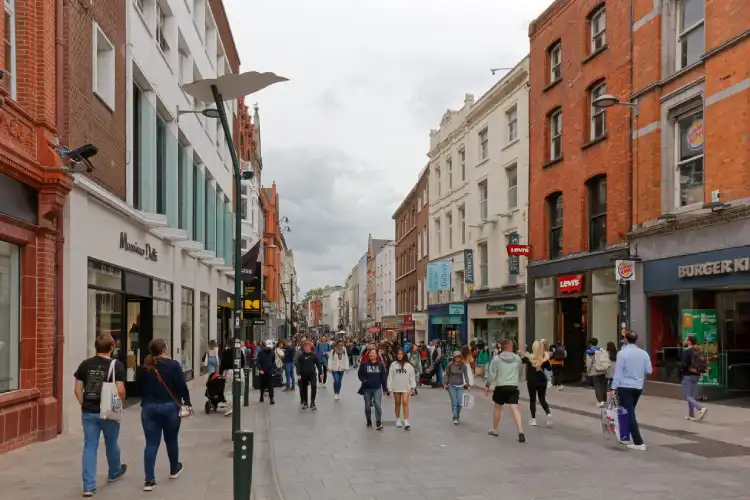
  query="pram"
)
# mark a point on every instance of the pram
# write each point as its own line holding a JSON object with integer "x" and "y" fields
{"x": 428, "y": 377}
{"x": 214, "y": 391}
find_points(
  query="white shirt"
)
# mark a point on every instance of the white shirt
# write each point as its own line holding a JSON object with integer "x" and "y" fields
{"x": 401, "y": 378}
{"x": 338, "y": 365}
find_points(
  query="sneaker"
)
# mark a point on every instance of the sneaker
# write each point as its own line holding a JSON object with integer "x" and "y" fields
{"x": 560, "y": 388}
{"x": 226, "y": 414}
{"x": 398, "y": 422}
{"x": 149, "y": 485}
{"x": 532, "y": 422}
{"x": 637, "y": 447}
{"x": 120, "y": 473}
{"x": 549, "y": 420}
{"x": 521, "y": 437}
{"x": 624, "y": 442}
{"x": 261, "y": 400}
{"x": 702, "y": 414}
{"x": 492, "y": 432}
{"x": 176, "y": 474}
{"x": 691, "y": 419}
{"x": 336, "y": 397}
{"x": 272, "y": 402}
{"x": 313, "y": 407}
{"x": 455, "y": 421}
{"x": 369, "y": 424}
{"x": 89, "y": 494}
{"x": 379, "y": 426}
{"x": 304, "y": 406}
{"x": 407, "y": 426}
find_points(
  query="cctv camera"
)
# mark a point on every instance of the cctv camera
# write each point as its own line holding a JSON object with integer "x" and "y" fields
{"x": 83, "y": 153}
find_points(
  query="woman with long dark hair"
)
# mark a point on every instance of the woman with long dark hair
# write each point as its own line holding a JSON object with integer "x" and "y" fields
{"x": 163, "y": 391}
{"x": 374, "y": 378}
{"x": 612, "y": 351}
{"x": 402, "y": 382}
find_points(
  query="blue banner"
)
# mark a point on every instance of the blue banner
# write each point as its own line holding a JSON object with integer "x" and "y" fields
{"x": 438, "y": 276}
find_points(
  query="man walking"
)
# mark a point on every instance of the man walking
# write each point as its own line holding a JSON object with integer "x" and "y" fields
{"x": 633, "y": 364}
{"x": 322, "y": 350}
{"x": 266, "y": 365}
{"x": 503, "y": 381}
{"x": 89, "y": 379}
{"x": 694, "y": 364}
{"x": 305, "y": 364}
{"x": 290, "y": 354}
{"x": 597, "y": 363}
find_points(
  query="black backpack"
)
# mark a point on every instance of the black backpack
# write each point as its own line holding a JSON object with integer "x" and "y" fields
{"x": 559, "y": 353}
{"x": 699, "y": 362}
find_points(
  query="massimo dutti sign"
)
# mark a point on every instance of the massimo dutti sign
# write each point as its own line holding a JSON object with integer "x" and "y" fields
{"x": 145, "y": 251}
{"x": 713, "y": 268}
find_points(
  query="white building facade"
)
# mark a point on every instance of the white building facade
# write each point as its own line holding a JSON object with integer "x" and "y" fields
{"x": 385, "y": 282}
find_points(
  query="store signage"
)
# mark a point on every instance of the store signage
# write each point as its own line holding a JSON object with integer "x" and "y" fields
{"x": 695, "y": 135}
{"x": 741, "y": 265}
{"x": 625, "y": 270}
{"x": 501, "y": 308}
{"x": 455, "y": 308}
{"x": 132, "y": 246}
{"x": 519, "y": 250}
{"x": 439, "y": 276}
{"x": 570, "y": 284}
{"x": 469, "y": 266}
{"x": 514, "y": 261}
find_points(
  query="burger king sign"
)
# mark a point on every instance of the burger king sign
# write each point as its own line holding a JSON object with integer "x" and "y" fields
{"x": 625, "y": 270}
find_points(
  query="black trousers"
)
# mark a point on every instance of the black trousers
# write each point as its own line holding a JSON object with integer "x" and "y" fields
{"x": 629, "y": 400}
{"x": 266, "y": 383}
{"x": 304, "y": 382}
{"x": 323, "y": 371}
{"x": 600, "y": 387}
{"x": 534, "y": 391}
{"x": 557, "y": 374}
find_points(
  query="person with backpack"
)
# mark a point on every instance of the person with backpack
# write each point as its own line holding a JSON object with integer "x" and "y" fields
{"x": 597, "y": 363}
{"x": 557, "y": 361}
{"x": 694, "y": 364}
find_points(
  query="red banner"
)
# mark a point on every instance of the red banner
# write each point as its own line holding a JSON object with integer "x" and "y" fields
{"x": 570, "y": 284}
{"x": 522, "y": 250}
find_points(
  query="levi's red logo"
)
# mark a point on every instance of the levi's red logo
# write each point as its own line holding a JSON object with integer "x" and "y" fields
{"x": 570, "y": 284}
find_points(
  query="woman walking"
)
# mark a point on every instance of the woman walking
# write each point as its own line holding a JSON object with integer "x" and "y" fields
{"x": 212, "y": 357}
{"x": 374, "y": 378}
{"x": 338, "y": 364}
{"x": 612, "y": 351}
{"x": 163, "y": 391}
{"x": 456, "y": 381}
{"x": 536, "y": 381}
{"x": 470, "y": 361}
{"x": 415, "y": 359}
{"x": 483, "y": 359}
{"x": 402, "y": 382}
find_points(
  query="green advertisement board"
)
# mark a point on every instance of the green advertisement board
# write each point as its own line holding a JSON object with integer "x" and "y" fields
{"x": 703, "y": 324}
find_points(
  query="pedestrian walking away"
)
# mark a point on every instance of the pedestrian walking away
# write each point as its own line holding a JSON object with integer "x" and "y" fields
{"x": 557, "y": 360}
{"x": 338, "y": 365}
{"x": 503, "y": 382}
{"x": 90, "y": 377}
{"x": 694, "y": 364}
{"x": 374, "y": 380}
{"x": 483, "y": 361}
{"x": 163, "y": 390}
{"x": 415, "y": 359}
{"x": 306, "y": 365}
{"x": 633, "y": 365}
{"x": 290, "y": 355}
{"x": 597, "y": 363}
{"x": 456, "y": 381}
{"x": 212, "y": 357}
{"x": 266, "y": 360}
{"x": 322, "y": 350}
{"x": 536, "y": 380}
{"x": 612, "y": 351}
{"x": 402, "y": 382}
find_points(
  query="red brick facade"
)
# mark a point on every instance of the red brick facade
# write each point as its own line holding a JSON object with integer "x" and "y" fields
{"x": 27, "y": 131}
{"x": 406, "y": 232}
{"x": 272, "y": 235}
{"x": 423, "y": 222}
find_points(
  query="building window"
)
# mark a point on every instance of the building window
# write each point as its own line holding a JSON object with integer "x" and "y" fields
{"x": 597, "y": 213}
{"x": 182, "y": 187}
{"x": 555, "y": 62}
{"x": 161, "y": 166}
{"x": 137, "y": 145}
{"x": 10, "y": 323}
{"x": 691, "y": 42}
{"x": 205, "y": 315}
{"x": 511, "y": 174}
{"x": 9, "y": 43}
{"x": 598, "y": 23}
{"x": 196, "y": 194}
{"x": 449, "y": 168}
{"x": 555, "y": 210}
{"x": 437, "y": 181}
{"x": 243, "y": 203}
{"x": 162, "y": 311}
{"x": 598, "y": 122}
{"x": 103, "y": 70}
{"x": 462, "y": 224}
{"x": 512, "y": 117}
{"x": 437, "y": 235}
{"x": 555, "y": 135}
{"x": 424, "y": 241}
{"x": 449, "y": 225}
{"x": 690, "y": 134}
{"x": 483, "y": 144}
{"x": 462, "y": 161}
{"x": 161, "y": 28}
{"x": 483, "y": 200}
{"x": 188, "y": 332}
{"x": 419, "y": 244}
{"x": 484, "y": 270}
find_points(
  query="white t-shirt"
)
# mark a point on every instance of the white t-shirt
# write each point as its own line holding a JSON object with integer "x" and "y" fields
{"x": 401, "y": 378}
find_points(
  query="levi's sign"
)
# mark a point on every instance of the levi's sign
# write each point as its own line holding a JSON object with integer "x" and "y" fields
{"x": 524, "y": 250}
{"x": 740, "y": 265}
{"x": 570, "y": 284}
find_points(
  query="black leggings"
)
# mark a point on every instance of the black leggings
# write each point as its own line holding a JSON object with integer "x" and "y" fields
{"x": 533, "y": 392}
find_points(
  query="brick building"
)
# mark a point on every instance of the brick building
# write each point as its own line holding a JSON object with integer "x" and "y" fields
{"x": 33, "y": 190}
{"x": 419, "y": 316}
{"x": 273, "y": 247}
{"x": 407, "y": 238}
{"x": 691, "y": 185}
{"x": 580, "y": 171}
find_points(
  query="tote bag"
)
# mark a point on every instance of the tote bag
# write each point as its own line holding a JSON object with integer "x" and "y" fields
{"x": 615, "y": 421}
{"x": 467, "y": 401}
{"x": 110, "y": 405}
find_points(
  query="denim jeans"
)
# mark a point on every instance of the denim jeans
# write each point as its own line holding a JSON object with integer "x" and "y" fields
{"x": 373, "y": 397}
{"x": 439, "y": 373}
{"x": 338, "y": 377}
{"x": 457, "y": 394}
{"x": 689, "y": 384}
{"x": 212, "y": 363}
{"x": 289, "y": 373}
{"x": 322, "y": 372}
{"x": 628, "y": 400}
{"x": 93, "y": 426}
{"x": 156, "y": 419}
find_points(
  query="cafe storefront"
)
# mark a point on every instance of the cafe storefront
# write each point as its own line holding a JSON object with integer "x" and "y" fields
{"x": 498, "y": 316}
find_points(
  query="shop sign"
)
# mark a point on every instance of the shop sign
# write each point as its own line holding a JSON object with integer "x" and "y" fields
{"x": 455, "y": 309}
{"x": 703, "y": 325}
{"x": 469, "y": 266}
{"x": 420, "y": 320}
{"x": 373, "y": 329}
{"x": 695, "y": 135}
{"x": 439, "y": 276}
{"x": 625, "y": 270}
{"x": 519, "y": 250}
{"x": 389, "y": 322}
{"x": 501, "y": 308}
{"x": 132, "y": 246}
{"x": 514, "y": 261}
{"x": 570, "y": 284}
{"x": 741, "y": 265}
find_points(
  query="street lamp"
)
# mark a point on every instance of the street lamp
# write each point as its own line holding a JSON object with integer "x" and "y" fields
{"x": 608, "y": 100}
{"x": 232, "y": 86}
{"x": 208, "y": 112}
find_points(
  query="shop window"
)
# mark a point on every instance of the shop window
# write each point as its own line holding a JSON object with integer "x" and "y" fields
{"x": 162, "y": 313}
{"x": 605, "y": 311}
{"x": 604, "y": 281}
{"x": 597, "y": 188}
{"x": 104, "y": 317}
{"x": 555, "y": 211}
{"x": 9, "y": 44}
{"x": 544, "y": 287}
{"x": 10, "y": 323}
{"x": 691, "y": 37}
{"x": 666, "y": 338}
{"x": 690, "y": 175}
{"x": 449, "y": 168}
{"x": 188, "y": 332}
{"x": 104, "y": 276}
{"x": 544, "y": 320}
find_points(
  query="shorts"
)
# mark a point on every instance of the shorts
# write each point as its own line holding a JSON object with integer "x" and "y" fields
{"x": 505, "y": 395}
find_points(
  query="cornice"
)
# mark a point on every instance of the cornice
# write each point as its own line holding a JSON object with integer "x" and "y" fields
{"x": 546, "y": 16}
{"x": 501, "y": 91}
{"x": 696, "y": 222}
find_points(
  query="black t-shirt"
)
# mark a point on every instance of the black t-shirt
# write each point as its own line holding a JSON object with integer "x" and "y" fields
{"x": 93, "y": 373}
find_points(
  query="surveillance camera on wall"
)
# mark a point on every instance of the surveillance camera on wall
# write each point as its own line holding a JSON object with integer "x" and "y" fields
{"x": 79, "y": 159}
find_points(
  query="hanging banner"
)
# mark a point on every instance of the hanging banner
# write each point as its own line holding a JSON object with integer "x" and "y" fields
{"x": 439, "y": 276}
{"x": 469, "y": 266}
{"x": 514, "y": 262}
{"x": 703, "y": 324}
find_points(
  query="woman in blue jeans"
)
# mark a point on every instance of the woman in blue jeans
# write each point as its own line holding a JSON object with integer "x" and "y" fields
{"x": 338, "y": 364}
{"x": 163, "y": 390}
{"x": 456, "y": 382}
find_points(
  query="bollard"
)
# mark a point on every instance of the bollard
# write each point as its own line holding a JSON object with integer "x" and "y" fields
{"x": 247, "y": 387}
{"x": 243, "y": 464}
{"x": 236, "y": 387}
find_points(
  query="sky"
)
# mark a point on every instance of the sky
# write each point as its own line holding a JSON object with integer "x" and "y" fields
{"x": 347, "y": 136}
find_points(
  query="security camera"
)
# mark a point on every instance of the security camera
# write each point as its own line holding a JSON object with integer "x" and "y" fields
{"x": 83, "y": 153}
{"x": 79, "y": 159}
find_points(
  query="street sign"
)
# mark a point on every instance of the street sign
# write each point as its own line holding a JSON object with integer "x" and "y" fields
{"x": 523, "y": 250}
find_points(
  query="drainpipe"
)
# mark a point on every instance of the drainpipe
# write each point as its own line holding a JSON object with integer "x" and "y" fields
{"x": 58, "y": 337}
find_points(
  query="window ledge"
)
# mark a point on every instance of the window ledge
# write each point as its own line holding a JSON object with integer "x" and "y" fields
{"x": 595, "y": 53}
{"x": 143, "y": 20}
{"x": 551, "y": 84}
{"x": 101, "y": 99}
{"x": 511, "y": 143}
{"x": 482, "y": 162}
{"x": 559, "y": 159}
{"x": 164, "y": 56}
{"x": 594, "y": 142}
{"x": 13, "y": 398}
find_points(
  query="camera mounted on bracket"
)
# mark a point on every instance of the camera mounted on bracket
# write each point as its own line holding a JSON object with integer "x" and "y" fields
{"x": 78, "y": 159}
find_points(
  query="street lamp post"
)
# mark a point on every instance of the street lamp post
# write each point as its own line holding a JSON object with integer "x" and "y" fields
{"x": 233, "y": 86}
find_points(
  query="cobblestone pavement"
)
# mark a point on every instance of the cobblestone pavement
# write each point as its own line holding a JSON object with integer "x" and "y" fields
{"x": 329, "y": 454}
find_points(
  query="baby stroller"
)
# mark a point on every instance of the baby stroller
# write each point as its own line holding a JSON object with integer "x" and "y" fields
{"x": 214, "y": 391}
{"x": 428, "y": 376}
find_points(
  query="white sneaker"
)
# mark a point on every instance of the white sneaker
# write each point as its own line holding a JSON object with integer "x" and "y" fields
{"x": 559, "y": 388}
{"x": 455, "y": 421}
{"x": 691, "y": 419}
{"x": 398, "y": 422}
{"x": 600, "y": 404}
{"x": 549, "y": 420}
{"x": 701, "y": 414}
{"x": 336, "y": 397}
{"x": 407, "y": 425}
{"x": 637, "y": 447}
{"x": 532, "y": 422}
{"x": 228, "y": 412}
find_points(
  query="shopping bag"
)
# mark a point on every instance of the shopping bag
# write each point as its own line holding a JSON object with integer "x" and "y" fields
{"x": 479, "y": 371}
{"x": 110, "y": 405}
{"x": 615, "y": 423}
{"x": 467, "y": 401}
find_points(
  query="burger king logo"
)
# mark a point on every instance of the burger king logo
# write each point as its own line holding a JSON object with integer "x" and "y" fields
{"x": 695, "y": 135}
{"x": 625, "y": 270}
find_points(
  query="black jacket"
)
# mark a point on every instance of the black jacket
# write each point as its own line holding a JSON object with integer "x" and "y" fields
{"x": 373, "y": 375}
{"x": 306, "y": 364}
{"x": 289, "y": 354}
{"x": 534, "y": 377}
{"x": 227, "y": 360}
{"x": 266, "y": 360}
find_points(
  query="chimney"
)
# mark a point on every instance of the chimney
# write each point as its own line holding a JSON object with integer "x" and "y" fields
{"x": 469, "y": 100}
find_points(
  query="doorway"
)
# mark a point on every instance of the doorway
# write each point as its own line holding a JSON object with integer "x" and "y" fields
{"x": 223, "y": 326}
{"x": 138, "y": 334}
{"x": 733, "y": 310}
{"x": 572, "y": 333}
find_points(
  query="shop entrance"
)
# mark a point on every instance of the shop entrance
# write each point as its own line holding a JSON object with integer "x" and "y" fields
{"x": 223, "y": 326}
{"x": 572, "y": 333}
{"x": 734, "y": 320}
{"x": 133, "y": 348}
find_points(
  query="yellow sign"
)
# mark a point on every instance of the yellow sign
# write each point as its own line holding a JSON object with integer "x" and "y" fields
{"x": 252, "y": 305}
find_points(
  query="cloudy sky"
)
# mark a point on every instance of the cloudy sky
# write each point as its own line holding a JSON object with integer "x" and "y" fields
{"x": 347, "y": 136}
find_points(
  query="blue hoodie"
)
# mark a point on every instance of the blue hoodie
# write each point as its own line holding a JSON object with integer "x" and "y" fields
{"x": 591, "y": 350}
{"x": 321, "y": 351}
{"x": 373, "y": 375}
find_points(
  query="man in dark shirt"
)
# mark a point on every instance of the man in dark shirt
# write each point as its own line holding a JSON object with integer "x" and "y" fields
{"x": 90, "y": 376}
{"x": 266, "y": 364}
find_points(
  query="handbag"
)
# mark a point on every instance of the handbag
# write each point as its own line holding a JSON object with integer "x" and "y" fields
{"x": 184, "y": 410}
{"x": 110, "y": 404}
{"x": 467, "y": 401}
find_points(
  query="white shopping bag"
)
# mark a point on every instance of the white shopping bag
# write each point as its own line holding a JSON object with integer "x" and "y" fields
{"x": 467, "y": 401}
{"x": 110, "y": 406}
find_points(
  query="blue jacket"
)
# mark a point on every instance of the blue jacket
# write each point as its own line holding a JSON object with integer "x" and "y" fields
{"x": 321, "y": 351}
{"x": 153, "y": 391}
{"x": 373, "y": 375}
{"x": 266, "y": 360}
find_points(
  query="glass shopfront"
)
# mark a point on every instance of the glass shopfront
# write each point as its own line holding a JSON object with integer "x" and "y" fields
{"x": 205, "y": 314}
{"x": 188, "y": 332}
{"x": 492, "y": 331}
{"x": 10, "y": 333}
